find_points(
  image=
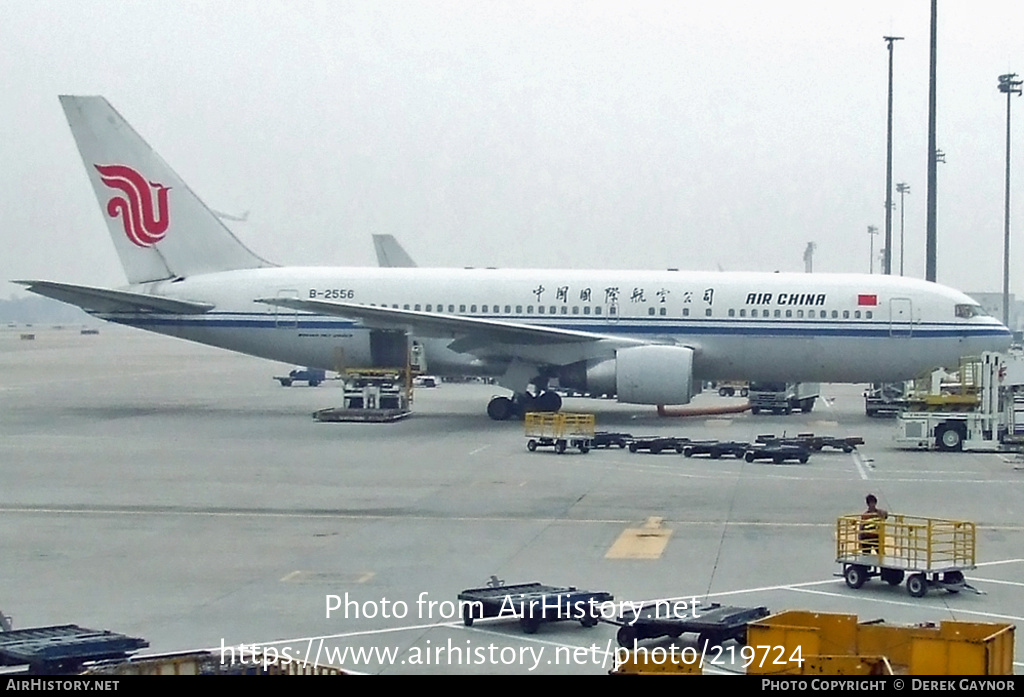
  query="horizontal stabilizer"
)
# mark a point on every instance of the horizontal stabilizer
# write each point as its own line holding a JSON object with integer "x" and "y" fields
{"x": 108, "y": 300}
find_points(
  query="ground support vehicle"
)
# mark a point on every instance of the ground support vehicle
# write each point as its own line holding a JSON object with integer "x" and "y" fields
{"x": 606, "y": 439}
{"x": 62, "y": 649}
{"x": 995, "y": 425}
{"x": 715, "y": 448}
{"x": 886, "y": 398}
{"x": 813, "y": 442}
{"x": 731, "y": 389}
{"x": 928, "y": 552}
{"x": 783, "y": 397}
{"x": 311, "y": 376}
{"x": 559, "y": 430}
{"x": 657, "y": 444}
{"x": 533, "y": 604}
{"x": 777, "y": 453}
{"x": 713, "y": 624}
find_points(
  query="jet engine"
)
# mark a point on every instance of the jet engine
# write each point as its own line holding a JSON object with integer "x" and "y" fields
{"x": 639, "y": 375}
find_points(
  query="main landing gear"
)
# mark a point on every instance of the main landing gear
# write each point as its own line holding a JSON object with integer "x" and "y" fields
{"x": 504, "y": 408}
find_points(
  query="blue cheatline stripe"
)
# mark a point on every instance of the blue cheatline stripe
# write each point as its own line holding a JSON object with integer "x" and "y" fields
{"x": 700, "y": 327}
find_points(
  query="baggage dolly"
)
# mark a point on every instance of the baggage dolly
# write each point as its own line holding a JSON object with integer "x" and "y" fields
{"x": 656, "y": 444}
{"x": 713, "y": 624}
{"x": 928, "y": 552}
{"x": 559, "y": 430}
{"x": 813, "y": 442}
{"x": 715, "y": 448}
{"x": 777, "y": 453}
{"x": 532, "y": 604}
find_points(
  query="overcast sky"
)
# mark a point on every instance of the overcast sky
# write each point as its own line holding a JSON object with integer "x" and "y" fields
{"x": 523, "y": 134}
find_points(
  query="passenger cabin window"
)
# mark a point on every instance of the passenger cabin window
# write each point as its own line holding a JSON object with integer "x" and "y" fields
{"x": 586, "y": 309}
{"x": 611, "y": 310}
{"x": 686, "y": 312}
{"x": 662, "y": 312}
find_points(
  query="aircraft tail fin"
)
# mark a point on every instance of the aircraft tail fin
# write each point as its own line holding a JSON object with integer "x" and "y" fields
{"x": 390, "y": 253}
{"x": 160, "y": 228}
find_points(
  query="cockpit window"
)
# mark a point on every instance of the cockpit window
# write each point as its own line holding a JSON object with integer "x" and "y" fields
{"x": 966, "y": 311}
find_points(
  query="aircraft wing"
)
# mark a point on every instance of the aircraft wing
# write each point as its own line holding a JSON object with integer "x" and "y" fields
{"x": 94, "y": 299}
{"x": 469, "y": 334}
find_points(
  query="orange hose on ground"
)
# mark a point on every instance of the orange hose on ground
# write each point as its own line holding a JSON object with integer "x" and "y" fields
{"x": 707, "y": 411}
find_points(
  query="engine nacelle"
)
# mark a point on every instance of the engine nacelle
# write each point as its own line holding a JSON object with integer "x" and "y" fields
{"x": 639, "y": 375}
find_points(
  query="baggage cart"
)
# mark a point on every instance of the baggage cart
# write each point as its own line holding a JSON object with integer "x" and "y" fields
{"x": 715, "y": 448}
{"x": 532, "y": 604}
{"x": 714, "y": 624}
{"x": 559, "y": 430}
{"x": 777, "y": 452}
{"x": 928, "y": 552}
{"x": 656, "y": 444}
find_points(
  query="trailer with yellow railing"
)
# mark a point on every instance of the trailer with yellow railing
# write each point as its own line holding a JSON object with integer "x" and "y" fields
{"x": 928, "y": 552}
{"x": 559, "y": 430}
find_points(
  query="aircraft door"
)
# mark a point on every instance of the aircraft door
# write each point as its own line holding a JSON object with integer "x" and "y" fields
{"x": 286, "y": 317}
{"x": 901, "y": 317}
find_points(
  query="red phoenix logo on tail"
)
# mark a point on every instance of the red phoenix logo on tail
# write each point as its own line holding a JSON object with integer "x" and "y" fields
{"x": 145, "y": 224}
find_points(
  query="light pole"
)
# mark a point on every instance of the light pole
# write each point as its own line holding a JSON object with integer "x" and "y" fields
{"x": 930, "y": 245}
{"x": 902, "y": 188}
{"x": 1009, "y": 86}
{"x": 887, "y": 261}
{"x": 872, "y": 231}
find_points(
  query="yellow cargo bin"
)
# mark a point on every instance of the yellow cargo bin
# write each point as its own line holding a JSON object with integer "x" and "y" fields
{"x": 952, "y": 648}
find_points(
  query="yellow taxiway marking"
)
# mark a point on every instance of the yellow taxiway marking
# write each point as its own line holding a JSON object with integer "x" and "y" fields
{"x": 300, "y": 576}
{"x": 647, "y": 542}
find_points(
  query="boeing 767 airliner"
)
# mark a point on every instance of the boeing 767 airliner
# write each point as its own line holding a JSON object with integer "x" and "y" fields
{"x": 649, "y": 337}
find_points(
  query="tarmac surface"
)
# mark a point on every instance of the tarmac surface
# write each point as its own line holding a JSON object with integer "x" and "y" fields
{"x": 178, "y": 493}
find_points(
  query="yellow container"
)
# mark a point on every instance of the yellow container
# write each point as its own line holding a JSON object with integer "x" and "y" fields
{"x": 796, "y": 640}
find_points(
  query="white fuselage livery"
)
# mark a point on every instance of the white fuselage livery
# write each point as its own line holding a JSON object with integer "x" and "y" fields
{"x": 812, "y": 327}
